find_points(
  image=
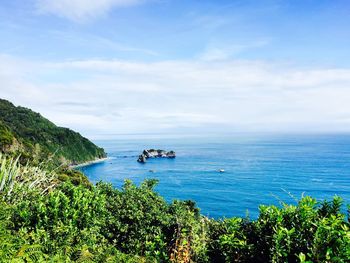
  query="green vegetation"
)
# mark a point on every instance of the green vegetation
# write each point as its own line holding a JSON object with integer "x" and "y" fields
{"x": 37, "y": 139}
{"x": 45, "y": 220}
{"x": 54, "y": 214}
{"x": 6, "y": 137}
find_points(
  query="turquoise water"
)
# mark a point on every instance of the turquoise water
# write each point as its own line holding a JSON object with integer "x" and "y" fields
{"x": 258, "y": 169}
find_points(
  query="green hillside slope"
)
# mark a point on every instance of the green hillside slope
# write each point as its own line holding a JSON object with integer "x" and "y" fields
{"x": 27, "y": 132}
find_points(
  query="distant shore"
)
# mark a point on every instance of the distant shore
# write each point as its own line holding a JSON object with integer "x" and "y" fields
{"x": 88, "y": 163}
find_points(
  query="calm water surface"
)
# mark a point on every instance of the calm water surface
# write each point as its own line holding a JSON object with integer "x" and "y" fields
{"x": 258, "y": 170}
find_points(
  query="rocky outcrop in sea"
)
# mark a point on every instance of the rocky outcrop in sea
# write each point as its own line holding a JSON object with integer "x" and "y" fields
{"x": 152, "y": 153}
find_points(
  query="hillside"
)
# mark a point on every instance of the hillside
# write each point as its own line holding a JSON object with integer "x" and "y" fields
{"x": 34, "y": 137}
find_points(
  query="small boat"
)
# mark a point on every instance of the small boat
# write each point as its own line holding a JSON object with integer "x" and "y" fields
{"x": 152, "y": 171}
{"x": 221, "y": 170}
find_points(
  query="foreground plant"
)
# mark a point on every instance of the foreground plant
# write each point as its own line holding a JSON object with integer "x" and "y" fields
{"x": 17, "y": 180}
{"x": 42, "y": 219}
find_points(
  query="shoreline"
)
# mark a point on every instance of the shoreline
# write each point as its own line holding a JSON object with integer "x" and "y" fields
{"x": 88, "y": 163}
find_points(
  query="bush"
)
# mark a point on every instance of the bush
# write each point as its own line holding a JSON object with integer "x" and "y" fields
{"x": 75, "y": 223}
{"x": 6, "y": 137}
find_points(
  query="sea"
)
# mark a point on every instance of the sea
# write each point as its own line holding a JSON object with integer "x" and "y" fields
{"x": 259, "y": 170}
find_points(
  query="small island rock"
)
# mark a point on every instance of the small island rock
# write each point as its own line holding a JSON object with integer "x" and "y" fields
{"x": 152, "y": 153}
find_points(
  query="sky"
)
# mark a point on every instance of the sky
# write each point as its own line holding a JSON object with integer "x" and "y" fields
{"x": 109, "y": 67}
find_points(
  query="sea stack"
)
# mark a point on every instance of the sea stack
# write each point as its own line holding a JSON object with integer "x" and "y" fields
{"x": 152, "y": 153}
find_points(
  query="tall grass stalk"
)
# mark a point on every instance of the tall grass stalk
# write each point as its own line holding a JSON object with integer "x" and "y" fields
{"x": 9, "y": 171}
{"x": 13, "y": 174}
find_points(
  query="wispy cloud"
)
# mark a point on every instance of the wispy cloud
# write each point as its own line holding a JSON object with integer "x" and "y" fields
{"x": 94, "y": 40}
{"x": 82, "y": 10}
{"x": 215, "y": 51}
{"x": 109, "y": 96}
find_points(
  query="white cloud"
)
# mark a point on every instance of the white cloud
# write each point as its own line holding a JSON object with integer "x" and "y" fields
{"x": 80, "y": 10}
{"x": 215, "y": 51}
{"x": 114, "y": 96}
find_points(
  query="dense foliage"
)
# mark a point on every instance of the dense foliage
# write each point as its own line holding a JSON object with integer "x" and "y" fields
{"x": 36, "y": 138}
{"x": 43, "y": 220}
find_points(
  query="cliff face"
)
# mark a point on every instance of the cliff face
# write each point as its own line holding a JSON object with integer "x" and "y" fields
{"x": 25, "y": 132}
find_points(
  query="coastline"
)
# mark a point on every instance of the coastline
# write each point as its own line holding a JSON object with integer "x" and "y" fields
{"x": 88, "y": 163}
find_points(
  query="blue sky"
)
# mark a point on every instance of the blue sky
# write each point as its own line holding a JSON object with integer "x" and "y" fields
{"x": 129, "y": 66}
{"x": 303, "y": 31}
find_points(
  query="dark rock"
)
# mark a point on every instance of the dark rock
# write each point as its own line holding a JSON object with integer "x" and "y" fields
{"x": 170, "y": 154}
{"x": 142, "y": 158}
{"x": 152, "y": 153}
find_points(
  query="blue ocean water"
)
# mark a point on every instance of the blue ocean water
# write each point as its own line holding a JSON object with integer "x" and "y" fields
{"x": 258, "y": 169}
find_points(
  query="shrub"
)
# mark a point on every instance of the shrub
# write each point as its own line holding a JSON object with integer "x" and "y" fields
{"x": 75, "y": 223}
